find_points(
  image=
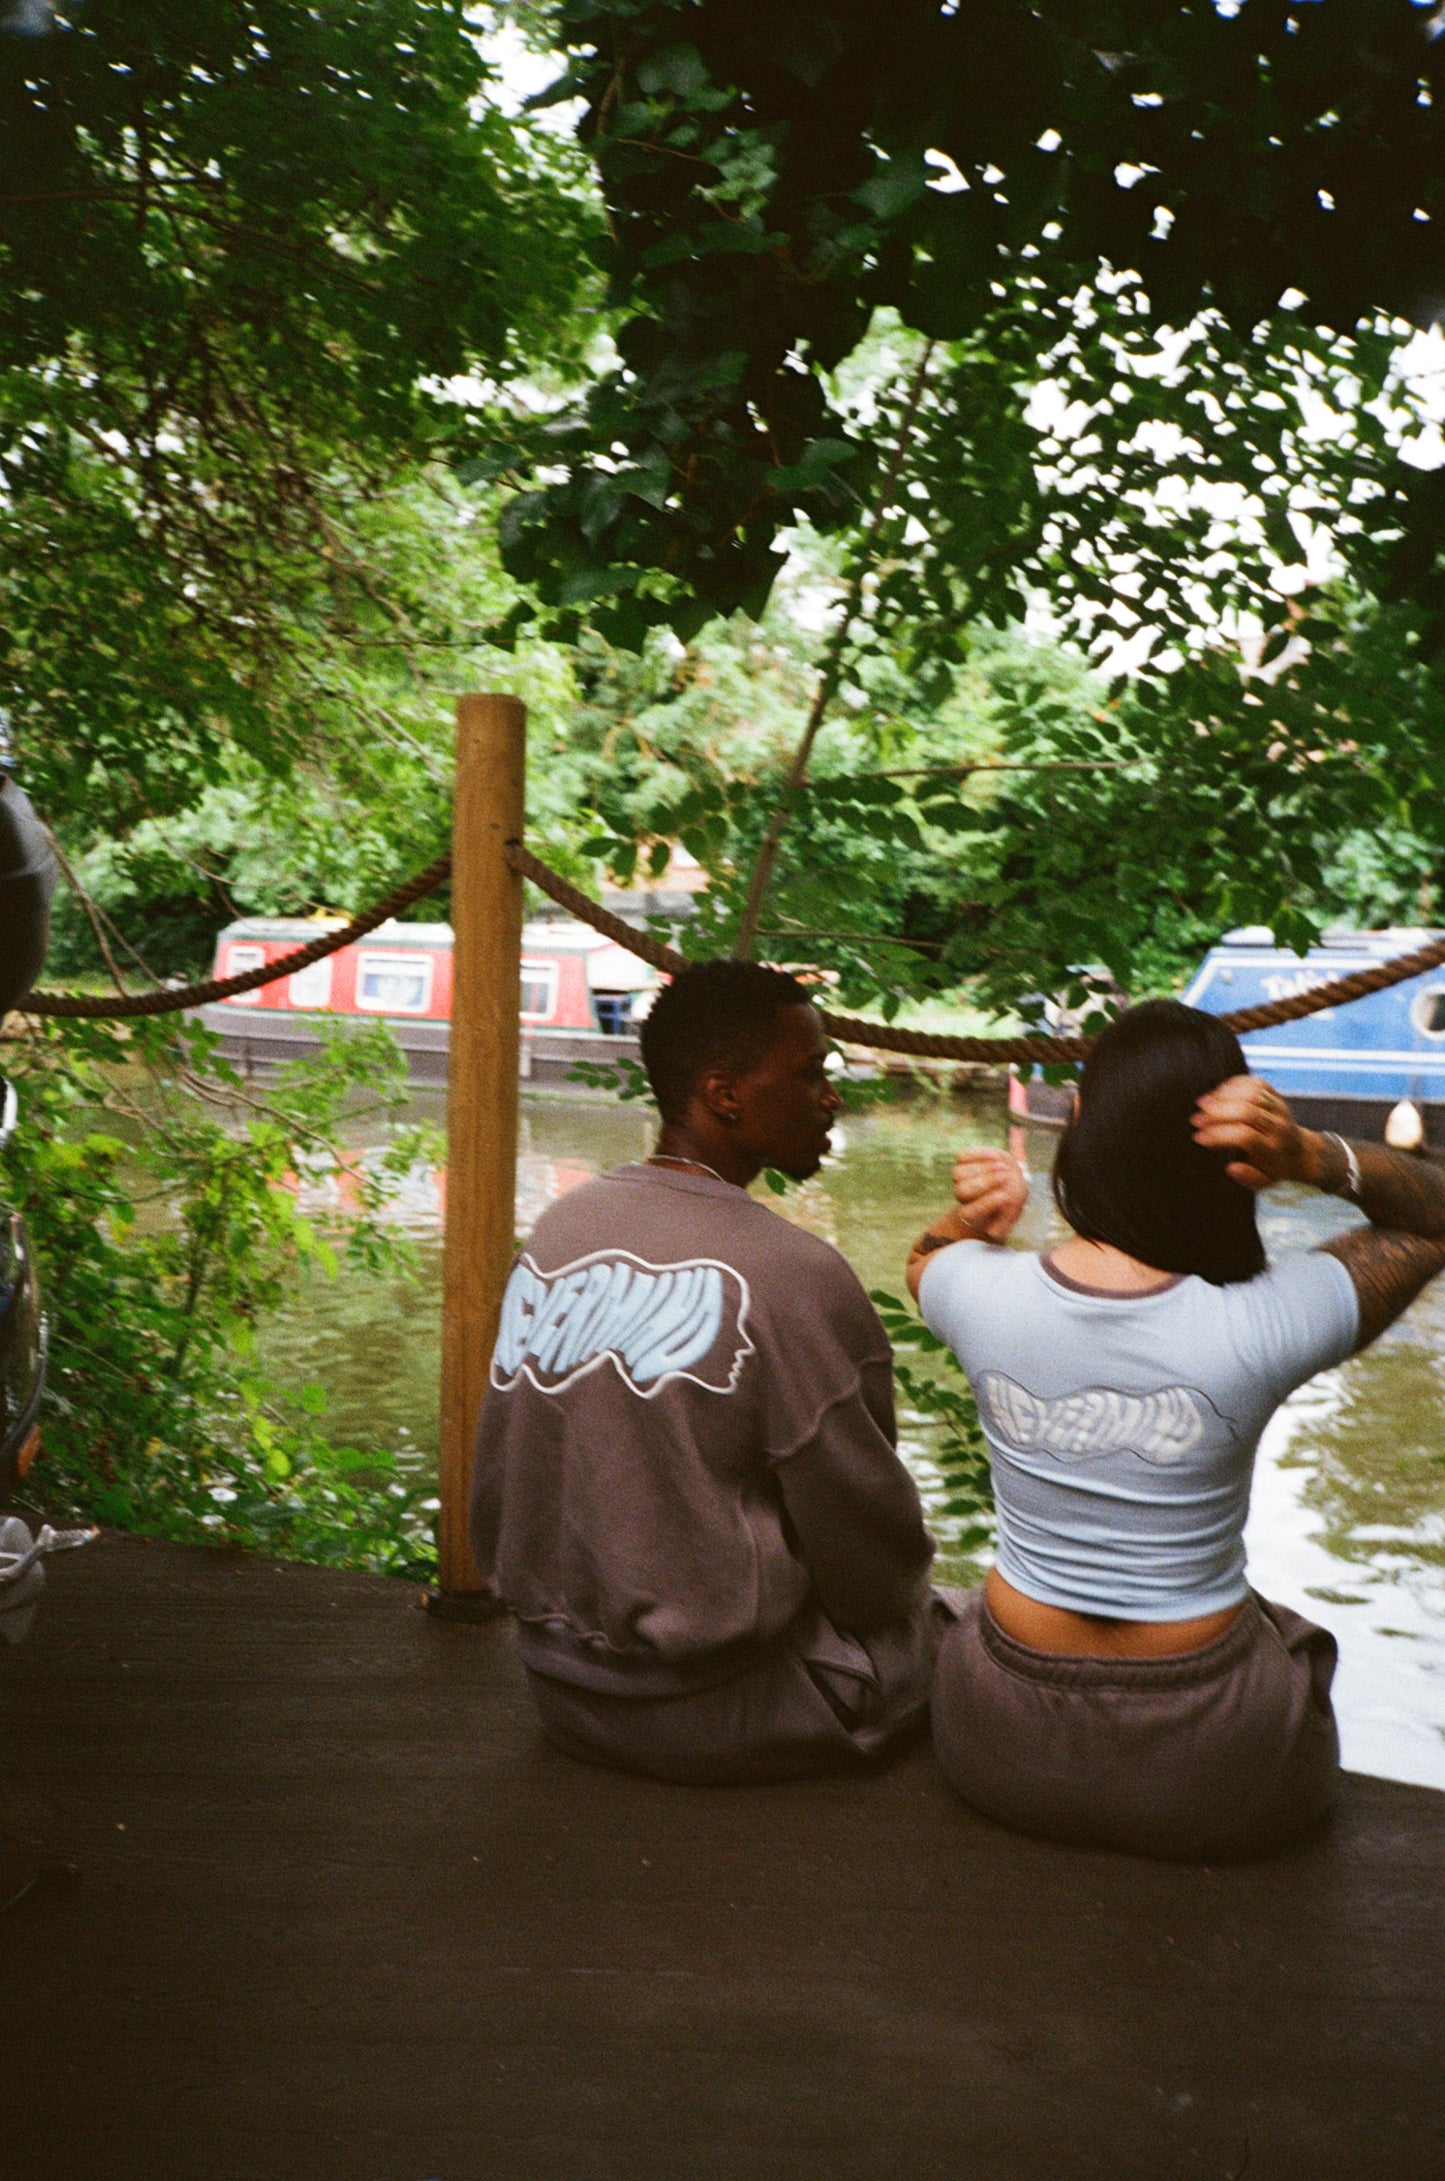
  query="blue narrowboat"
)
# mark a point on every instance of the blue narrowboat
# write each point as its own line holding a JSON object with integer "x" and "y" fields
{"x": 1372, "y": 1066}
{"x": 1350, "y": 1067}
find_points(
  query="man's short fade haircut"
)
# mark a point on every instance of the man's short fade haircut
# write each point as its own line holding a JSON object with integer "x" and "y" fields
{"x": 723, "y": 1014}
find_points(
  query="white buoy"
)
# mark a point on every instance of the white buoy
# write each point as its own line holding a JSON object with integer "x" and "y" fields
{"x": 1405, "y": 1129}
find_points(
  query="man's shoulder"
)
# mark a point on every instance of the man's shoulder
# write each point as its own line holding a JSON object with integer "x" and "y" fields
{"x": 602, "y": 1208}
{"x": 628, "y": 1203}
{"x": 620, "y": 1211}
{"x": 796, "y": 1245}
{"x": 809, "y": 1287}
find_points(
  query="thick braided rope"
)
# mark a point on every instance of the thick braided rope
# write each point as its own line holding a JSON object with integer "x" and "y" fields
{"x": 587, "y": 911}
{"x": 171, "y": 1000}
{"x": 926, "y": 1045}
{"x": 853, "y": 1029}
{"x": 1339, "y": 991}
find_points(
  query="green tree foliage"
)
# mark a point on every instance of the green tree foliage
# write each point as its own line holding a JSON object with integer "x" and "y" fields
{"x": 250, "y": 258}
{"x": 1137, "y": 361}
{"x": 774, "y": 172}
{"x": 1201, "y": 802}
{"x": 1067, "y": 460}
{"x": 365, "y": 800}
{"x": 243, "y": 254}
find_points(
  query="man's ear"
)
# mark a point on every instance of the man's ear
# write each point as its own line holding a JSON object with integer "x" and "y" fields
{"x": 719, "y": 1093}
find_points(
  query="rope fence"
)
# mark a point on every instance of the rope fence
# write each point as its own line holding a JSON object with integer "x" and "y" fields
{"x": 851, "y": 1029}
{"x": 172, "y": 999}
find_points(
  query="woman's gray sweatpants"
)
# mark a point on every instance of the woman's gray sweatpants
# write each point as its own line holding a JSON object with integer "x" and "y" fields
{"x": 820, "y": 1701}
{"x": 1230, "y": 1750}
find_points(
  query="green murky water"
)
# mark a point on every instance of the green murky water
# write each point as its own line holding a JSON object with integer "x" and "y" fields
{"x": 1348, "y": 1523}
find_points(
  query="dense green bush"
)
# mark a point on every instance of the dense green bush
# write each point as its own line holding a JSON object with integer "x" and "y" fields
{"x": 168, "y": 1206}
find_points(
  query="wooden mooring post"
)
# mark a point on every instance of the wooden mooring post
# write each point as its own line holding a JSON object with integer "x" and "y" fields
{"x": 482, "y": 1071}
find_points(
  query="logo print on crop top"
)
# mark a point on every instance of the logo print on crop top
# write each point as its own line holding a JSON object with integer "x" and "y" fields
{"x": 653, "y": 1323}
{"x": 1160, "y": 1428}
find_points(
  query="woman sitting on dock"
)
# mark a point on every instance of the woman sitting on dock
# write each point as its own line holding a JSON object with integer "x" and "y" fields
{"x": 1117, "y": 1683}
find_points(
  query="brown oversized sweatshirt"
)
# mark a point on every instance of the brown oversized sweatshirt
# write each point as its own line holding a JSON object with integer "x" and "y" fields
{"x": 688, "y": 1443}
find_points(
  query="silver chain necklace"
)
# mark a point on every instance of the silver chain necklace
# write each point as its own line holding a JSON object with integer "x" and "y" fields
{"x": 665, "y": 1158}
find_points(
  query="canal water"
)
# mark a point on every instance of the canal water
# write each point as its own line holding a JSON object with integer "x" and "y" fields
{"x": 1348, "y": 1519}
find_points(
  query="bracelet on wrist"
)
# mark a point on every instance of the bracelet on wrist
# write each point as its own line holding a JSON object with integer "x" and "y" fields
{"x": 1351, "y": 1181}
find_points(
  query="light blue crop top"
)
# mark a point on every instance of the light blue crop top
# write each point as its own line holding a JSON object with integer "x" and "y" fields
{"x": 1122, "y": 1429}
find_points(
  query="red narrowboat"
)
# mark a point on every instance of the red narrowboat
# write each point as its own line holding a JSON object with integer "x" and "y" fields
{"x": 581, "y": 996}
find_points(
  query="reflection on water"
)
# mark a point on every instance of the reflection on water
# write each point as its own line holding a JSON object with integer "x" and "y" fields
{"x": 1348, "y": 1522}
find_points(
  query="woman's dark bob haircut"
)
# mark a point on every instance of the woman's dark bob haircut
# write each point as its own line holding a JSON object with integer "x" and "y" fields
{"x": 1128, "y": 1170}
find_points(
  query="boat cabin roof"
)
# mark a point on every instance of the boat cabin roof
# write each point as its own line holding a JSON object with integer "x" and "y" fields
{"x": 543, "y": 935}
{"x": 1383, "y": 1047}
{"x": 1395, "y": 939}
{"x": 298, "y": 929}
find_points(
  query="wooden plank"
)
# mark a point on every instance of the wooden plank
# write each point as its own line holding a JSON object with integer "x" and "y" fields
{"x": 482, "y": 1090}
{"x": 342, "y": 1916}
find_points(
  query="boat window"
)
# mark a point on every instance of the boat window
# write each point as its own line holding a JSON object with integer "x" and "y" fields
{"x": 614, "y": 1013}
{"x": 238, "y": 960}
{"x": 539, "y": 991}
{"x": 1429, "y": 1011}
{"x": 311, "y": 986}
{"x": 393, "y": 984}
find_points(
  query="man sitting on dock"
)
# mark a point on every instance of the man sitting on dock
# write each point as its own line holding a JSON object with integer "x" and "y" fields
{"x": 687, "y": 1486}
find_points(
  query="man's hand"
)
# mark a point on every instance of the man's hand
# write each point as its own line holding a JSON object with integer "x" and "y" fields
{"x": 990, "y": 1190}
{"x": 1248, "y": 1117}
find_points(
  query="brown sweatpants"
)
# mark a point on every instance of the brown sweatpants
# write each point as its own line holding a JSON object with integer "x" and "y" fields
{"x": 1231, "y": 1750}
{"x": 820, "y": 1701}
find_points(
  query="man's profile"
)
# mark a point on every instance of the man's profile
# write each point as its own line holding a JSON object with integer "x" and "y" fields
{"x": 687, "y": 1489}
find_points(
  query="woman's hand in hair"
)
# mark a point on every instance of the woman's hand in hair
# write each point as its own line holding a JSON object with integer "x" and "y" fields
{"x": 990, "y": 1190}
{"x": 1249, "y": 1118}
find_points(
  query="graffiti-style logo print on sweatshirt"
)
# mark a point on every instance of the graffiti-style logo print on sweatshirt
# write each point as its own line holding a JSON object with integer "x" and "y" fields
{"x": 653, "y": 1323}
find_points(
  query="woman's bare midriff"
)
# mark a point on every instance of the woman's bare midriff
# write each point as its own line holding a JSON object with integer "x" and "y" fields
{"x": 1066, "y": 1634}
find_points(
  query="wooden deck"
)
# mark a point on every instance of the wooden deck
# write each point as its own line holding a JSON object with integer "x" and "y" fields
{"x": 341, "y": 1914}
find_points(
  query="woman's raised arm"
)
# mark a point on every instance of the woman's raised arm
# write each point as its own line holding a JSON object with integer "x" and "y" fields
{"x": 990, "y": 1189}
{"x": 1403, "y": 1197}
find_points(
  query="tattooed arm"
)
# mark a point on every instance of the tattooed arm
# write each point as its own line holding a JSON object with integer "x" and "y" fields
{"x": 1404, "y": 1245}
{"x": 990, "y": 1190}
{"x": 1402, "y": 1197}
